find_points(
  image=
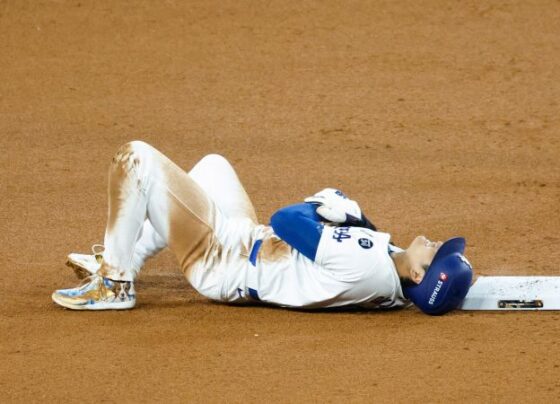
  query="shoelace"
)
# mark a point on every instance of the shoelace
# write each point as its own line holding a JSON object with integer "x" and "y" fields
{"x": 89, "y": 280}
{"x": 102, "y": 286}
{"x": 121, "y": 290}
{"x": 122, "y": 293}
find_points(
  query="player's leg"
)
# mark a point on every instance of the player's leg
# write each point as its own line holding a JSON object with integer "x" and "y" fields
{"x": 146, "y": 184}
{"x": 216, "y": 176}
{"x": 219, "y": 180}
{"x": 149, "y": 244}
{"x": 143, "y": 183}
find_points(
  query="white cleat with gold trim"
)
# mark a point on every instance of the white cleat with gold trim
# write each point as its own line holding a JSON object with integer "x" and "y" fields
{"x": 97, "y": 293}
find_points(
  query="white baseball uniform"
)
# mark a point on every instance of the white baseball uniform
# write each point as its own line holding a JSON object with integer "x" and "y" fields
{"x": 208, "y": 221}
{"x": 352, "y": 267}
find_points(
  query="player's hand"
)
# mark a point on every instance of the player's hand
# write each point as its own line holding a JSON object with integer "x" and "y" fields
{"x": 335, "y": 207}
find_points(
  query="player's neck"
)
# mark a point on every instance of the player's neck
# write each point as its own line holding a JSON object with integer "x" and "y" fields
{"x": 402, "y": 264}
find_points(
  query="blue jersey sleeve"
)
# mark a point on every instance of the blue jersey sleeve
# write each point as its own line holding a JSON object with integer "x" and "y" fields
{"x": 300, "y": 226}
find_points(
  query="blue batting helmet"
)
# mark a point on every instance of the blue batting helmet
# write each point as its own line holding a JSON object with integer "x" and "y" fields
{"x": 446, "y": 281}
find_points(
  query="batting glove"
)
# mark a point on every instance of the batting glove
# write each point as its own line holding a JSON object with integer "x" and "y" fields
{"x": 335, "y": 207}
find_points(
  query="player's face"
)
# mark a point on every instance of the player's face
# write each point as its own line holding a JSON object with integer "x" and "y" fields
{"x": 421, "y": 253}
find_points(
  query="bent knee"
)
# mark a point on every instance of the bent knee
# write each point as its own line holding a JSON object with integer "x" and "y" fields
{"x": 132, "y": 152}
{"x": 215, "y": 159}
{"x": 136, "y": 146}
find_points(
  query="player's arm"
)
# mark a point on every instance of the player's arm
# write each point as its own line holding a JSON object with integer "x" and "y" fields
{"x": 363, "y": 221}
{"x": 300, "y": 226}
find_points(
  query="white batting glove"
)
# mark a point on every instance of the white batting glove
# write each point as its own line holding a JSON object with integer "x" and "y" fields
{"x": 335, "y": 206}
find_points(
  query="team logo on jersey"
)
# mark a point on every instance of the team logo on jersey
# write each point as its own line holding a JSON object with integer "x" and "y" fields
{"x": 365, "y": 243}
{"x": 442, "y": 276}
{"x": 341, "y": 233}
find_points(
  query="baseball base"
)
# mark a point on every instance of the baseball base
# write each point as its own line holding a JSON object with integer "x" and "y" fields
{"x": 514, "y": 293}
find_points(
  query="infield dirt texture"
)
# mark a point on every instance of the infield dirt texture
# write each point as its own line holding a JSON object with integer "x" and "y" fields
{"x": 440, "y": 117}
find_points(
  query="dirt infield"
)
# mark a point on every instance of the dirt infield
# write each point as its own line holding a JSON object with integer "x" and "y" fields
{"x": 440, "y": 118}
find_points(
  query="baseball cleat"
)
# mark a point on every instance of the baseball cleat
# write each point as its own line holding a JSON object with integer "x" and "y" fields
{"x": 97, "y": 293}
{"x": 85, "y": 265}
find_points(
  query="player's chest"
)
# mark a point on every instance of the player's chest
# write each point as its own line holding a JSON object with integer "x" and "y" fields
{"x": 361, "y": 240}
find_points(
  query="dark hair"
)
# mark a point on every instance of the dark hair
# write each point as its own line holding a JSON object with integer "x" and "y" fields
{"x": 406, "y": 282}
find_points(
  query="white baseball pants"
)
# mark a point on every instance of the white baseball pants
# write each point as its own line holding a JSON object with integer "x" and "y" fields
{"x": 205, "y": 216}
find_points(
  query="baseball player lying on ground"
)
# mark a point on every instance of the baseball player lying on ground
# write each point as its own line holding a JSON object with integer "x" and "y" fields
{"x": 317, "y": 254}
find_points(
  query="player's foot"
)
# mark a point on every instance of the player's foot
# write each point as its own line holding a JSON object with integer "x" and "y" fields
{"x": 85, "y": 265}
{"x": 97, "y": 293}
